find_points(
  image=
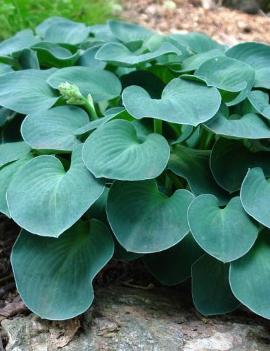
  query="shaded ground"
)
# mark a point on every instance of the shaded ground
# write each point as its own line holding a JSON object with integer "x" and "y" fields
{"x": 222, "y": 24}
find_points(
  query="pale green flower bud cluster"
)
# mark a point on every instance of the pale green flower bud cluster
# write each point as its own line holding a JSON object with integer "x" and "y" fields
{"x": 71, "y": 93}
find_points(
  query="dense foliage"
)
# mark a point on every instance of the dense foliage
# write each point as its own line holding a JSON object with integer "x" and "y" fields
{"x": 119, "y": 141}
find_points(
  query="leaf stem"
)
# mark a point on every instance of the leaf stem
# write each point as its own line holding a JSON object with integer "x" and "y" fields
{"x": 157, "y": 126}
{"x": 91, "y": 110}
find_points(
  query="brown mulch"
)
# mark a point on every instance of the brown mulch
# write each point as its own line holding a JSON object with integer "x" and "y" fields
{"x": 223, "y": 24}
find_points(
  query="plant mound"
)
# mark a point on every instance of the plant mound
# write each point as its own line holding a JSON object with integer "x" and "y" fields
{"x": 119, "y": 141}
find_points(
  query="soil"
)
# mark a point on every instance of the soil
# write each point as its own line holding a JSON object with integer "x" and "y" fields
{"x": 223, "y": 24}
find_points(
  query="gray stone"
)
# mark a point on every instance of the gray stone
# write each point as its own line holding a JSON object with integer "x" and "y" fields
{"x": 127, "y": 319}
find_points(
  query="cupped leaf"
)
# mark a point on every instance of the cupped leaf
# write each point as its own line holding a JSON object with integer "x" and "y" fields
{"x": 173, "y": 266}
{"x": 256, "y": 55}
{"x": 53, "y": 55}
{"x": 54, "y": 129}
{"x": 129, "y": 32}
{"x": 46, "y": 200}
{"x": 21, "y": 40}
{"x": 262, "y": 79}
{"x": 26, "y": 91}
{"x": 182, "y": 101}
{"x": 230, "y": 161}
{"x": 255, "y": 196}
{"x": 102, "y": 85}
{"x": 249, "y": 277}
{"x": 211, "y": 291}
{"x": 248, "y": 126}
{"x": 224, "y": 233}
{"x": 226, "y": 73}
{"x": 116, "y": 151}
{"x": 193, "y": 62}
{"x": 13, "y": 151}
{"x": 62, "y": 30}
{"x": 54, "y": 276}
{"x": 260, "y": 101}
{"x": 6, "y": 174}
{"x": 193, "y": 166}
{"x": 119, "y": 54}
{"x": 145, "y": 220}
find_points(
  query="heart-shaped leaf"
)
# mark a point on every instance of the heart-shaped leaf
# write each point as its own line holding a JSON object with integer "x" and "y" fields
{"x": 26, "y": 91}
{"x": 193, "y": 166}
{"x": 262, "y": 79}
{"x": 173, "y": 266}
{"x": 197, "y": 42}
{"x": 255, "y": 195}
{"x": 102, "y": 85}
{"x": 54, "y": 129}
{"x": 224, "y": 233}
{"x": 13, "y": 151}
{"x": 129, "y": 32}
{"x": 21, "y": 40}
{"x": 88, "y": 59}
{"x": 119, "y": 54}
{"x": 249, "y": 277}
{"x": 226, "y": 73}
{"x": 260, "y": 101}
{"x": 115, "y": 151}
{"x": 230, "y": 161}
{"x": 145, "y": 220}
{"x": 54, "y": 276}
{"x": 256, "y": 55}
{"x": 6, "y": 175}
{"x": 248, "y": 126}
{"x": 62, "y": 30}
{"x": 211, "y": 291}
{"x": 182, "y": 102}
{"x": 46, "y": 200}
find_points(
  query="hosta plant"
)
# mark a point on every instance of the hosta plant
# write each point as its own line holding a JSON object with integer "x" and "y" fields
{"x": 117, "y": 141}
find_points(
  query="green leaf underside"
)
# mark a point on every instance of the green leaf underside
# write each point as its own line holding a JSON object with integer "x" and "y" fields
{"x": 193, "y": 165}
{"x": 119, "y": 54}
{"x": 26, "y": 91}
{"x": 10, "y": 152}
{"x": 173, "y": 266}
{"x": 230, "y": 161}
{"x": 115, "y": 151}
{"x": 182, "y": 102}
{"x": 249, "y": 277}
{"x": 224, "y": 233}
{"x": 226, "y": 74}
{"x": 54, "y": 276}
{"x": 210, "y": 287}
{"x": 46, "y": 200}
{"x": 145, "y": 220}
{"x": 248, "y": 126}
{"x": 54, "y": 129}
{"x": 255, "y": 196}
{"x": 102, "y": 85}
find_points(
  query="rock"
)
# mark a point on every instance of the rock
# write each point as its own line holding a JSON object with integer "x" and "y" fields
{"x": 126, "y": 319}
{"x": 249, "y": 6}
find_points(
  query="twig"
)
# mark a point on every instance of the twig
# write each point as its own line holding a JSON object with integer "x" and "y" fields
{"x": 4, "y": 279}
